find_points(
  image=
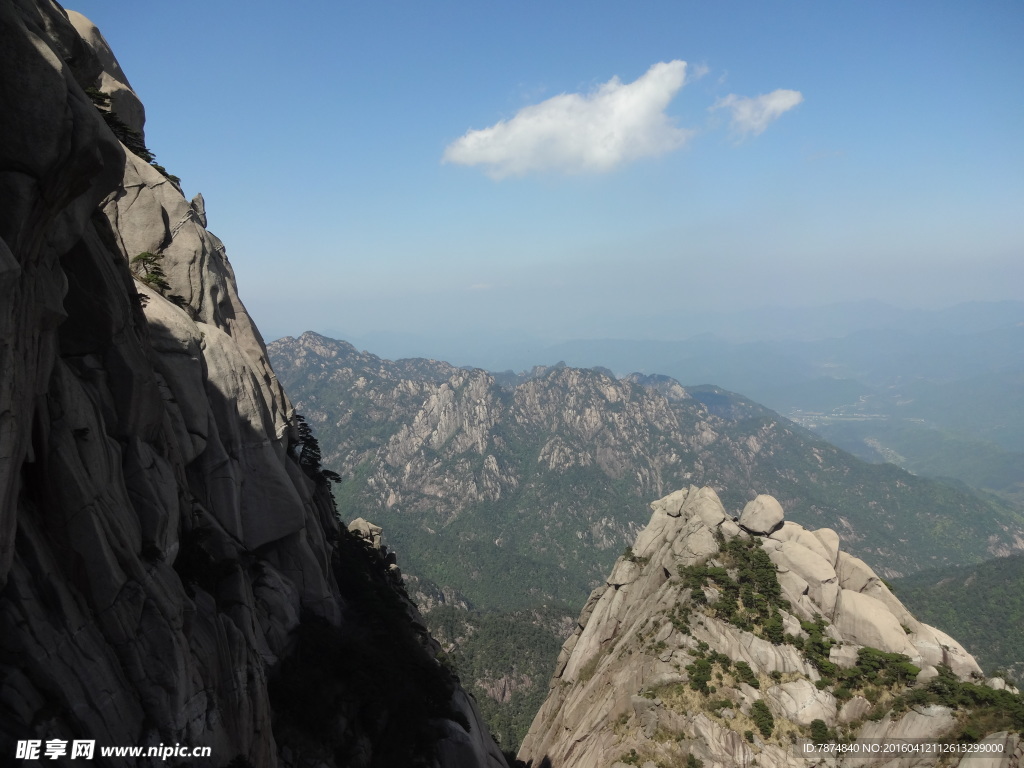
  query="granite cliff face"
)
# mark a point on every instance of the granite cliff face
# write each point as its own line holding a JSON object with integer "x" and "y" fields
{"x": 723, "y": 642}
{"x": 171, "y": 566}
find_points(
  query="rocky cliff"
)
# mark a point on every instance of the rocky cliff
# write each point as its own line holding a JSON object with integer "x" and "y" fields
{"x": 725, "y": 642}
{"x": 171, "y": 566}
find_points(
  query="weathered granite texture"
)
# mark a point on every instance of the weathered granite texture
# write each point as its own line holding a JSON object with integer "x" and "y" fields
{"x": 621, "y": 682}
{"x": 165, "y": 562}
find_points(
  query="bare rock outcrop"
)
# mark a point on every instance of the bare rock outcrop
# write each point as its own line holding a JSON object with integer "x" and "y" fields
{"x": 711, "y": 641}
{"x": 762, "y": 515}
{"x": 170, "y": 558}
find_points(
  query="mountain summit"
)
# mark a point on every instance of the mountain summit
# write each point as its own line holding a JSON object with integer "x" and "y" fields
{"x": 725, "y": 642}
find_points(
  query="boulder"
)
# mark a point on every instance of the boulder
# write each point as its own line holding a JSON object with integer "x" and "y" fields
{"x": 366, "y": 530}
{"x": 796, "y": 533}
{"x": 936, "y": 647}
{"x": 648, "y": 540}
{"x": 830, "y": 541}
{"x": 671, "y": 504}
{"x": 624, "y": 572}
{"x": 762, "y": 515}
{"x": 708, "y": 508}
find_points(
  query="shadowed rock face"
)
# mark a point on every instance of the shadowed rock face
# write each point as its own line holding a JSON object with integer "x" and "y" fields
{"x": 163, "y": 556}
{"x": 628, "y": 679}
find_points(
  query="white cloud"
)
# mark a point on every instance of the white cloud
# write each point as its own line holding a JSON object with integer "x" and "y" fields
{"x": 753, "y": 115}
{"x": 573, "y": 133}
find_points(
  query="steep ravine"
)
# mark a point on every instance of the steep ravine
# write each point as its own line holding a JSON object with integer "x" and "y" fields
{"x": 171, "y": 569}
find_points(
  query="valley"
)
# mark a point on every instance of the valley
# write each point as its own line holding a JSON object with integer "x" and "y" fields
{"x": 512, "y": 494}
{"x": 306, "y": 555}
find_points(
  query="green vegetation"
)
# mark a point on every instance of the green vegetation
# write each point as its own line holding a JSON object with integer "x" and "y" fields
{"x": 628, "y": 555}
{"x": 819, "y": 732}
{"x": 499, "y": 577}
{"x": 700, "y": 674}
{"x": 131, "y": 138}
{"x": 703, "y": 669}
{"x": 816, "y": 647}
{"x": 750, "y": 596}
{"x": 146, "y": 267}
{"x": 746, "y": 675}
{"x": 509, "y": 655}
{"x": 875, "y": 667}
{"x": 307, "y": 448}
{"x": 982, "y": 606}
{"x": 981, "y": 709}
{"x": 762, "y": 717}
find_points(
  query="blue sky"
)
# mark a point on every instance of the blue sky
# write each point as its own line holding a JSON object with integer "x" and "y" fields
{"x": 889, "y": 162}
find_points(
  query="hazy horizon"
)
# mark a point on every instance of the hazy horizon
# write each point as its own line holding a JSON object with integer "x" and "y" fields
{"x": 511, "y": 349}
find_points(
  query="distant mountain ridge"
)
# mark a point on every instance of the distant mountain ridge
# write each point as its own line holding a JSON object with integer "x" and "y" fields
{"x": 938, "y": 392}
{"x": 423, "y": 445}
{"x": 514, "y": 491}
{"x": 942, "y": 401}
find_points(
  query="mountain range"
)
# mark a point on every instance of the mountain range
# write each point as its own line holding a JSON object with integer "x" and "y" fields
{"x": 175, "y": 569}
{"x": 488, "y": 482}
{"x": 540, "y": 468}
{"x": 937, "y": 392}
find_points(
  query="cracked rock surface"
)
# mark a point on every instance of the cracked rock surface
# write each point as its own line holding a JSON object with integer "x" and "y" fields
{"x": 164, "y": 558}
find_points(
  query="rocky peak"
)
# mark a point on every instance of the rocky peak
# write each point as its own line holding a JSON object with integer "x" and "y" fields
{"x": 110, "y": 79}
{"x": 664, "y": 385}
{"x": 729, "y": 639}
